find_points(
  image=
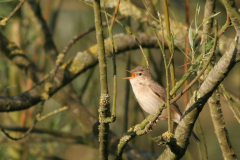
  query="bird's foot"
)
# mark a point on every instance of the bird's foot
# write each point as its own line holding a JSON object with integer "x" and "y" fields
{"x": 148, "y": 127}
{"x": 154, "y": 122}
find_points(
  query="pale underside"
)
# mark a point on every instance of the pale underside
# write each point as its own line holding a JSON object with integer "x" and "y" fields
{"x": 150, "y": 99}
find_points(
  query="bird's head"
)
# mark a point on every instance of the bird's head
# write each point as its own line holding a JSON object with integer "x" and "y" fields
{"x": 139, "y": 73}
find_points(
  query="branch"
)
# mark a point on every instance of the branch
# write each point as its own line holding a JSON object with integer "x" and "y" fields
{"x": 49, "y": 45}
{"x": 233, "y": 13}
{"x": 104, "y": 104}
{"x": 78, "y": 139}
{"x": 220, "y": 128}
{"x": 209, "y": 10}
{"x": 5, "y": 20}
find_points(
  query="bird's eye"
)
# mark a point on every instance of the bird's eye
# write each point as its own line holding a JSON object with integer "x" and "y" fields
{"x": 139, "y": 74}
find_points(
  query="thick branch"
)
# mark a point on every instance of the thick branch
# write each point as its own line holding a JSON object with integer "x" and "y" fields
{"x": 208, "y": 11}
{"x": 233, "y": 13}
{"x": 220, "y": 128}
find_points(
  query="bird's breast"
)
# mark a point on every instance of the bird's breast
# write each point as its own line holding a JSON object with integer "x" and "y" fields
{"x": 145, "y": 97}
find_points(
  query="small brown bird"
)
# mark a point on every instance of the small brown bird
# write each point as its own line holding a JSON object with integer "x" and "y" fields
{"x": 150, "y": 95}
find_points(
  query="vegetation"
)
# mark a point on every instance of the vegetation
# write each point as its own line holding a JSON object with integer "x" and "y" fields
{"x": 61, "y": 78}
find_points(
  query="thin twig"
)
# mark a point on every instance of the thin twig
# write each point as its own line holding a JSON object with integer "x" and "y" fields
{"x": 5, "y": 20}
{"x": 167, "y": 81}
{"x": 126, "y": 97}
{"x": 186, "y": 61}
{"x": 228, "y": 99}
{"x": 40, "y": 118}
{"x": 43, "y": 131}
{"x": 110, "y": 28}
{"x": 170, "y": 42}
{"x": 203, "y": 138}
{"x": 30, "y": 128}
{"x": 76, "y": 38}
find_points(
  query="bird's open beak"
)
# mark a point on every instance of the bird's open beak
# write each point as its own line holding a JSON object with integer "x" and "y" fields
{"x": 133, "y": 75}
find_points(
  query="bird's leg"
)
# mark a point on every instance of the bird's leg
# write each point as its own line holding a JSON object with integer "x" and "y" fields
{"x": 148, "y": 127}
{"x": 161, "y": 118}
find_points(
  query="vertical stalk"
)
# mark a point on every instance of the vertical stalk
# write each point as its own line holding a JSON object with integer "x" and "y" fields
{"x": 186, "y": 52}
{"x": 104, "y": 110}
{"x": 167, "y": 81}
{"x": 126, "y": 99}
{"x": 170, "y": 43}
{"x": 200, "y": 130}
{"x": 171, "y": 67}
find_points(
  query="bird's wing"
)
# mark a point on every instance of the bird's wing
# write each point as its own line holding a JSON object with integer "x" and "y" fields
{"x": 160, "y": 92}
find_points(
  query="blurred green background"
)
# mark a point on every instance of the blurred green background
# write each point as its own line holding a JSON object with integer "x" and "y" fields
{"x": 73, "y": 17}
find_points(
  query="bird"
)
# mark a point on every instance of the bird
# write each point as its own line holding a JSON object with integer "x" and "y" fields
{"x": 150, "y": 95}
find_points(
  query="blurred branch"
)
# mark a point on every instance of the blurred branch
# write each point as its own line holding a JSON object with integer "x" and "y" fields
{"x": 233, "y": 13}
{"x": 29, "y": 129}
{"x": 49, "y": 45}
{"x": 5, "y": 20}
{"x": 78, "y": 139}
{"x": 231, "y": 103}
{"x": 76, "y": 38}
{"x": 150, "y": 8}
{"x": 235, "y": 99}
{"x": 16, "y": 55}
{"x": 40, "y": 118}
{"x": 203, "y": 138}
{"x": 225, "y": 26}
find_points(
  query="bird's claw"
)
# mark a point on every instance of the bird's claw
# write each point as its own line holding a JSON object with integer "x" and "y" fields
{"x": 148, "y": 128}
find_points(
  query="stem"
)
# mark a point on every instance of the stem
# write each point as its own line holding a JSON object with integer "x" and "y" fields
{"x": 232, "y": 106}
{"x": 104, "y": 110}
{"x": 5, "y": 20}
{"x": 167, "y": 81}
{"x": 170, "y": 43}
{"x": 186, "y": 51}
{"x": 200, "y": 131}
